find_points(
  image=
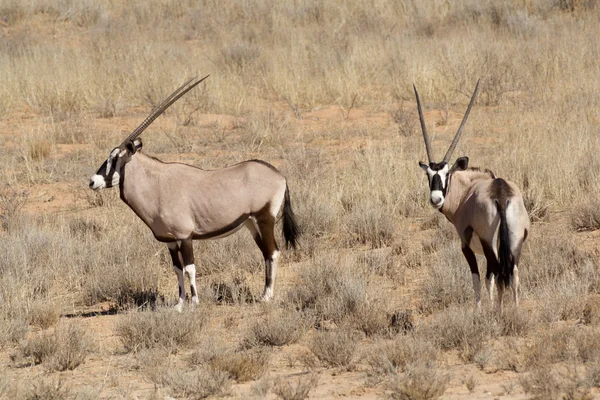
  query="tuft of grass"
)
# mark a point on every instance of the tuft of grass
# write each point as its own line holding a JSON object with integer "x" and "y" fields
{"x": 419, "y": 382}
{"x": 43, "y": 314}
{"x": 243, "y": 365}
{"x": 334, "y": 349}
{"x": 45, "y": 389}
{"x": 463, "y": 330}
{"x": 164, "y": 328}
{"x": 65, "y": 349}
{"x": 296, "y": 389}
{"x": 279, "y": 328}
{"x": 396, "y": 355}
{"x": 198, "y": 384}
{"x": 586, "y": 216}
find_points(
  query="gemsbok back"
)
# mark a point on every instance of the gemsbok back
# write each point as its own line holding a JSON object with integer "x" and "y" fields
{"x": 181, "y": 203}
{"x": 487, "y": 212}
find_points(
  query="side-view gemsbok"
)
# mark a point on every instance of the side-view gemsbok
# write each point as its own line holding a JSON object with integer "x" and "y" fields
{"x": 487, "y": 212}
{"x": 181, "y": 203}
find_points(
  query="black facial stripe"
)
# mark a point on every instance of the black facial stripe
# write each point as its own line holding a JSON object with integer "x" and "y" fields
{"x": 109, "y": 176}
{"x": 436, "y": 183}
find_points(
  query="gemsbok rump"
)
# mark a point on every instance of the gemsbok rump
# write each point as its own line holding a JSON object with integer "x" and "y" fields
{"x": 181, "y": 203}
{"x": 487, "y": 212}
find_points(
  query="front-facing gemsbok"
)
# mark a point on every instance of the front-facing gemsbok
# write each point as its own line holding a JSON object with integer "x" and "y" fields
{"x": 181, "y": 203}
{"x": 487, "y": 212}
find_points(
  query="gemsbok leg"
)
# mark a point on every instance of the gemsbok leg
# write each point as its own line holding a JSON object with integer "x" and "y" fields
{"x": 266, "y": 227}
{"x": 472, "y": 261}
{"x": 178, "y": 268}
{"x": 493, "y": 268}
{"x": 182, "y": 255}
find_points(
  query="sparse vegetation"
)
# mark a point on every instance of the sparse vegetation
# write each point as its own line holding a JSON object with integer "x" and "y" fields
{"x": 323, "y": 91}
{"x": 164, "y": 328}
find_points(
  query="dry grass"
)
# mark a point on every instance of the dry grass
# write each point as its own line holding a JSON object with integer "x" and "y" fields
{"x": 334, "y": 349}
{"x": 243, "y": 365}
{"x": 295, "y": 389}
{"x": 65, "y": 349}
{"x": 163, "y": 328}
{"x": 324, "y": 92}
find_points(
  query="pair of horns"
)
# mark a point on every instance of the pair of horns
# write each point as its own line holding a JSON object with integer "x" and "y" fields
{"x": 176, "y": 95}
{"x": 458, "y": 133}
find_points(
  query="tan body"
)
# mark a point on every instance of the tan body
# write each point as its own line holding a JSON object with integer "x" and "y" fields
{"x": 198, "y": 204}
{"x": 469, "y": 203}
{"x": 472, "y": 204}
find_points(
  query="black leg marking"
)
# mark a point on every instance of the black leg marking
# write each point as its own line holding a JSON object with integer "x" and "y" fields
{"x": 468, "y": 253}
{"x": 493, "y": 265}
{"x": 187, "y": 251}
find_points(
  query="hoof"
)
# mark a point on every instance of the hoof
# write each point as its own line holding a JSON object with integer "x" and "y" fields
{"x": 178, "y": 307}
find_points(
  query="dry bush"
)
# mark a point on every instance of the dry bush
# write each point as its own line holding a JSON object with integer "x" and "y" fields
{"x": 63, "y": 350}
{"x": 448, "y": 281}
{"x": 394, "y": 356}
{"x": 332, "y": 287}
{"x": 163, "y": 328}
{"x": 461, "y": 329}
{"x": 334, "y": 349}
{"x": 198, "y": 384}
{"x": 585, "y": 216}
{"x": 12, "y": 202}
{"x": 546, "y": 382}
{"x": 515, "y": 322}
{"x": 419, "y": 382}
{"x": 296, "y": 389}
{"x": 47, "y": 389}
{"x": 243, "y": 365}
{"x": 279, "y": 328}
{"x": 43, "y": 314}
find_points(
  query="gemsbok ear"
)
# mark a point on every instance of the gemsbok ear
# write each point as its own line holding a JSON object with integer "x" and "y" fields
{"x": 423, "y": 166}
{"x": 461, "y": 164}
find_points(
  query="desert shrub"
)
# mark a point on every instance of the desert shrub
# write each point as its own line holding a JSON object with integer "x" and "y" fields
{"x": 198, "y": 384}
{"x": 395, "y": 355}
{"x": 464, "y": 330}
{"x": 243, "y": 365}
{"x": 47, "y": 389}
{"x": 279, "y": 328}
{"x": 43, "y": 314}
{"x": 419, "y": 382}
{"x": 65, "y": 349}
{"x": 334, "y": 349}
{"x": 164, "y": 328}
{"x": 586, "y": 216}
{"x": 514, "y": 322}
{"x": 369, "y": 224}
{"x": 332, "y": 288}
{"x": 447, "y": 281}
{"x": 295, "y": 389}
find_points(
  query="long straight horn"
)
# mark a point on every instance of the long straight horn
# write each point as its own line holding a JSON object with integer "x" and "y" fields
{"x": 423, "y": 128}
{"x": 462, "y": 124}
{"x": 176, "y": 95}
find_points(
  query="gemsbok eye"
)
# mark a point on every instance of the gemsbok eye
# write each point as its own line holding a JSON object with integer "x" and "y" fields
{"x": 488, "y": 213}
{"x": 165, "y": 196}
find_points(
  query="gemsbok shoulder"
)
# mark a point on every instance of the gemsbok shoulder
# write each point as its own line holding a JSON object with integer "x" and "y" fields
{"x": 181, "y": 203}
{"x": 487, "y": 212}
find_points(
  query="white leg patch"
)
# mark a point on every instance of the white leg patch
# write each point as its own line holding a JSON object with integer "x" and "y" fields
{"x": 191, "y": 272}
{"x": 477, "y": 289}
{"x": 180, "y": 281}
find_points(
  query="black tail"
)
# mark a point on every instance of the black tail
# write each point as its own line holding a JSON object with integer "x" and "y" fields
{"x": 291, "y": 232}
{"x": 505, "y": 256}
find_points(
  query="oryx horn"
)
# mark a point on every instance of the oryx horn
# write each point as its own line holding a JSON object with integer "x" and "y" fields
{"x": 462, "y": 124}
{"x": 423, "y": 128}
{"x": 176, "y": 95}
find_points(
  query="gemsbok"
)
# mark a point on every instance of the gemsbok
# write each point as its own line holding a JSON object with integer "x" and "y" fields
{"x": 181, "y": 203}
{"x": 487, "y": 212}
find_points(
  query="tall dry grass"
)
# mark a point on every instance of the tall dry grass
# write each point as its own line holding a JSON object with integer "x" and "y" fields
{"x": 370, "y": 245}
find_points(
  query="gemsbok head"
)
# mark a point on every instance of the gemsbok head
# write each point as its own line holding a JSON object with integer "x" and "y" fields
{"x": 487, "y": 212}
{"x": 181, "y": 203}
